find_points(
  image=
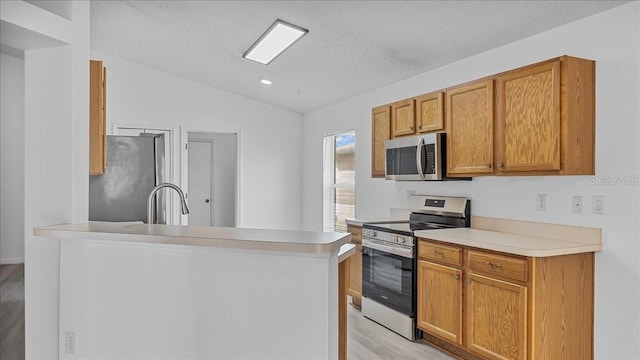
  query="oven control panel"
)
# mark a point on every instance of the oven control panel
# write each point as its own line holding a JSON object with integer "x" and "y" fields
{"x": 388, "y": 237}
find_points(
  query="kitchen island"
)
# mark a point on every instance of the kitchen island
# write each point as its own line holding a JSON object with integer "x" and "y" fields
{"x": 161, "y": 291}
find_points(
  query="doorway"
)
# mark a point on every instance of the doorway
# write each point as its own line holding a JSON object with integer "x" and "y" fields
{"x": 211, "y": 177}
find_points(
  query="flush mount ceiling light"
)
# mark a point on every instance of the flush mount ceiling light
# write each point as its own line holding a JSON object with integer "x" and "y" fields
{"x": 274, "y": 41}
{"x": 266, "y": 82}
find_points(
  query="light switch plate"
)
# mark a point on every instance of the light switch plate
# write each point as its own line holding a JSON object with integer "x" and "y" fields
{"x": 598, "y": 204}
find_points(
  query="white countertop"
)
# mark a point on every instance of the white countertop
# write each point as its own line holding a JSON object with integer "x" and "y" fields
{"x": 508, "y": 243}
{"x": 345, "y": 252}
{"x": 254, "y": 239}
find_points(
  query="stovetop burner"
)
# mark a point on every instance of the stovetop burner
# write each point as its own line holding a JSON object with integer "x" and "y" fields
{"x": 430, "y": 213}
{"x": 406, "y": 228}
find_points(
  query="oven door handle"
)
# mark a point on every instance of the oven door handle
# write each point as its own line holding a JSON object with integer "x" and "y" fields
{"x": 419, "y": 158}
{"x": 402, "y": 251}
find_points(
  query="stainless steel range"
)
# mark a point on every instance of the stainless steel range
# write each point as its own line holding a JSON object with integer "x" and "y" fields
{"x": 389, "y": 260}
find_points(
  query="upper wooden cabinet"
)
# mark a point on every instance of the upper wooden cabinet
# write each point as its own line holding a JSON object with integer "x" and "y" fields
{"x": 430, "y": 112}
{"x": 403, "y": 121}
{"x": 545, "y": 118}
{"x": 381, "y": 132}
{"x": 469, "y": 118}
{"x": 97, "y": 118}
{"x": 534, "y": 120}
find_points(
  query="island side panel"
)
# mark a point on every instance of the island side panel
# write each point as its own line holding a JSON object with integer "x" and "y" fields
{"x": 127, "y": 300}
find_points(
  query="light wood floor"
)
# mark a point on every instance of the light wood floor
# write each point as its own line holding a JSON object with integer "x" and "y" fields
{"x": 366, "y": 339}
{"x": 12, "y": 312}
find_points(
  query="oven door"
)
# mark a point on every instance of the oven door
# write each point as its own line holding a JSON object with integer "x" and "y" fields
{"x": 388, "y": 275}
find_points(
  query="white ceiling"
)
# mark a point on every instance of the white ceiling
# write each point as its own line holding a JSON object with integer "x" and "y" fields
{"x": 352, "y": 46}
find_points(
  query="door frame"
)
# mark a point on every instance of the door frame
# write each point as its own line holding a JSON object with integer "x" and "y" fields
{"x": 184, "y": 165}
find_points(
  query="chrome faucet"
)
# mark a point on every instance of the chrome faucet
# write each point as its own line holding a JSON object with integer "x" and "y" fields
{"x": 183, "y": 201}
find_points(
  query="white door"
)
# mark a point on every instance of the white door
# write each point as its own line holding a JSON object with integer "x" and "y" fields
{"x": 199, "y": 196}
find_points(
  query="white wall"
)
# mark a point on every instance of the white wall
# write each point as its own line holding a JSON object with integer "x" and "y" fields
{"x": 196, "y": 303}
{"x": 612, "y": 40}
{"x": 55, "y": 164}
{"x": 47, "y": 187}
{"x": 11, "y": 159}
{"x": 269, "y": 137}
{"x": 222, "y": 179}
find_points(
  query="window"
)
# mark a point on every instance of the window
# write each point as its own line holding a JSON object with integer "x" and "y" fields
{"x": 339, "y": 200}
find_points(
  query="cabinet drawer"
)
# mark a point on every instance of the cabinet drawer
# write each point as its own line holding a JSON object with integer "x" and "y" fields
{"x": 505, "y": 267}
{"x": 440, "y": 253}
{"x": 356, "y": 234}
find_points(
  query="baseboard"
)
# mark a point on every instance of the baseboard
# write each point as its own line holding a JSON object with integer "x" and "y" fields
{"x": 11, "y": 261}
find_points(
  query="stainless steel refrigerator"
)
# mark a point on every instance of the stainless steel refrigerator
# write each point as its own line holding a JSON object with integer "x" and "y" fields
{"x": 135, "y": 165}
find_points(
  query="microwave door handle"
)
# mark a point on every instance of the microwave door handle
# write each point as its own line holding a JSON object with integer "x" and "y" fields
{"x": 419, "y": 158}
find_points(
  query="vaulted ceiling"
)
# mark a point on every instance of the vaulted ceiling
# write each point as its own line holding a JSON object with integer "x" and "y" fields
{"x": 352, "y": 46}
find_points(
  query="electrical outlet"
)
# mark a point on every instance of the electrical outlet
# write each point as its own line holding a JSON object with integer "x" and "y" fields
{"x": 69, "y": 342}
{"x": 598, "y": 205}
{"x": 409, "y": 193}
{"x": 577, "y": 204}
{"x": 541, "y": 202}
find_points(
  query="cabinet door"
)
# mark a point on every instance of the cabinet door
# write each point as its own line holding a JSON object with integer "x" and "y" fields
{"x": 469, "y": 117}
{"x": 355, "y": 277}
{"x": 381, "y": 132}
{"x": 403, "y": 118}
{"x": 430, "y": 112}
{"x": 97, "y": 118}
{"x": 440, "y": 301}
{"x": 528, "y": 119}
{"x": 496, "y": 318}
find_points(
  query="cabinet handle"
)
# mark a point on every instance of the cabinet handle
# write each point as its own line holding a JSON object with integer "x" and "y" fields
{"x": 488, "y": 166}
{"x": 420, "y": 127}
{"x": 438, "y": 253}
{"x": 500, "y": 164}
{"x": 457, "y": 277}
{"x": 493, "y": 265}
{"x": 410, "y": 127}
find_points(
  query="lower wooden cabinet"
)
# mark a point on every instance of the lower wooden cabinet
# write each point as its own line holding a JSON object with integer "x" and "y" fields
{"x": 355, "y": 267}
{"x": 440, "y": 300}
{"x": 496, "y": 318}
{"x": 501, "y": 306}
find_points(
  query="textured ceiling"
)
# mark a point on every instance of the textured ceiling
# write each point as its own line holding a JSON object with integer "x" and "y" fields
{"x": 352, "y": 46}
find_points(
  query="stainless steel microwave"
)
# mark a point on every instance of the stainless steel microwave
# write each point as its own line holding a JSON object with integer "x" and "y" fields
{"x": 417, "y": 158}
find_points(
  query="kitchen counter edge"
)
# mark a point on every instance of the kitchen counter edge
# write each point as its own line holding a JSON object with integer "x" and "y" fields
{"x": 220, "y": 237}
{"x": 516, "y": 244}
